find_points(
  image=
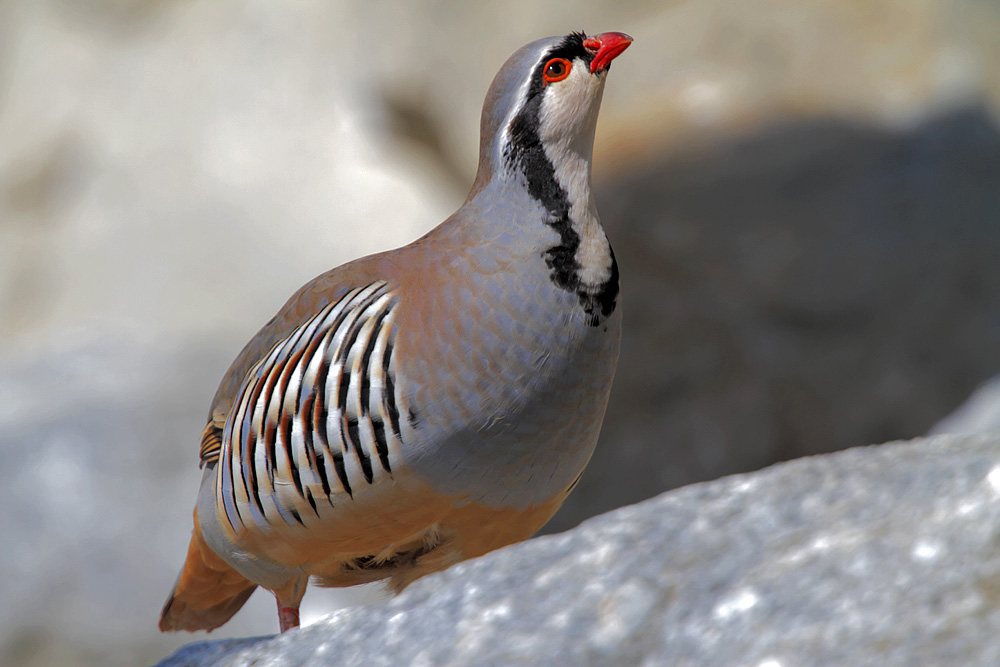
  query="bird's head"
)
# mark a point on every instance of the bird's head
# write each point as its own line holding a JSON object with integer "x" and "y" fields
{"x": 544, "y": 102}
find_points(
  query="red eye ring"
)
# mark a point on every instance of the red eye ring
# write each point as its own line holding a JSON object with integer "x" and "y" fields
{"x": 556, "y": 69}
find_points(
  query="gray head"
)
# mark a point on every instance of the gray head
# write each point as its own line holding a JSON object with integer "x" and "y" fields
{"x": 547, "y": 94}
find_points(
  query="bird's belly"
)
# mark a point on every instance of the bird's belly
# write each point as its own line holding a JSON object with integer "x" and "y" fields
{"x": 404, "y": 531}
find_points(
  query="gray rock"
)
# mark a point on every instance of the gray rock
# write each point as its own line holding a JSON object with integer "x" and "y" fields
{"x": 212, "y": 652}
{"x": 979, "y": 414}
{"x": 872, "y": 556}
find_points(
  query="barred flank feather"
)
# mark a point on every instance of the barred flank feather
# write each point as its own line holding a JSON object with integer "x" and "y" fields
{"x": 309, "y": 422}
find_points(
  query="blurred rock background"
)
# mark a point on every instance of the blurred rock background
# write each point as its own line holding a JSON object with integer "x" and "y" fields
{"x": 804, "y": 197}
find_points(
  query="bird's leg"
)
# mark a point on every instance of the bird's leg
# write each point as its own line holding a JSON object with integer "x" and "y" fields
{"x": 289, "y": 597}
{"x": 288, "y": 616}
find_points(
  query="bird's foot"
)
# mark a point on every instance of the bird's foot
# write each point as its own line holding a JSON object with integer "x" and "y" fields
{"x": 288, "y": 617}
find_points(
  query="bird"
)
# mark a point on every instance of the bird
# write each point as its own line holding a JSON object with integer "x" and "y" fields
{"x": 429, "y": 404}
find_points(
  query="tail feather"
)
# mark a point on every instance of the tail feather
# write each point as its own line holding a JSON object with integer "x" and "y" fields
{"x": 208, "y": 591}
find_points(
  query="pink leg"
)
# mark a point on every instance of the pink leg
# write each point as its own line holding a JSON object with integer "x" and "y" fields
{"x": 288, "y": 617}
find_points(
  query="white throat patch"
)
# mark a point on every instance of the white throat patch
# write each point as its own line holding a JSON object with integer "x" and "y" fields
{"x": 567, "y": 123}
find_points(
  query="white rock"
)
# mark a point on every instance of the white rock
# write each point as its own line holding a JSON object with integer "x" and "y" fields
{"x": 872, "y": 556}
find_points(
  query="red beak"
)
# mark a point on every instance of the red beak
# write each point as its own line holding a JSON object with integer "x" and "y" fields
{"x": 605, "y": 47}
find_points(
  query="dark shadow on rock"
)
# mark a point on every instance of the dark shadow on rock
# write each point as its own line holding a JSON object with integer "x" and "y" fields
{"x": 815, "y": 286}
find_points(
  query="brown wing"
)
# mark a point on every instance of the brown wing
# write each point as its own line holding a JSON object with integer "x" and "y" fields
{"x": 211, "y": 443}
{"x": 304, "y": 304}
{"x": 395, "y": 267}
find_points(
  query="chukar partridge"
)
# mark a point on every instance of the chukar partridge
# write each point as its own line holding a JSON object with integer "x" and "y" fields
{"x": 414, "y": 408}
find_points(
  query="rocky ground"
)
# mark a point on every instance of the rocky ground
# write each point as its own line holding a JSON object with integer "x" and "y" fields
{"x": 873, "y": 556}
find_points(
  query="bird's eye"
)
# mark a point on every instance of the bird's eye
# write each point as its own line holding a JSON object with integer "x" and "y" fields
{"x": 556, "y": 69}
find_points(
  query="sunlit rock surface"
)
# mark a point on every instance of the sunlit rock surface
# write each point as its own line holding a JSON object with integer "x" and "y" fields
{"x": 874, "y": 556}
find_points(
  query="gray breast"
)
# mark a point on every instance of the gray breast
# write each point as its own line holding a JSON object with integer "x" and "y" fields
{"x": 525, "y": 395}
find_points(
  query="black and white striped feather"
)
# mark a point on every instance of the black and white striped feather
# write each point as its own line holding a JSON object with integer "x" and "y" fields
{"x": 316, "y": 418}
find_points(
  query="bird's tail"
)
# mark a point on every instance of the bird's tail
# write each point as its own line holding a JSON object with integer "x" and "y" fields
{"x": 208, "y": 591}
